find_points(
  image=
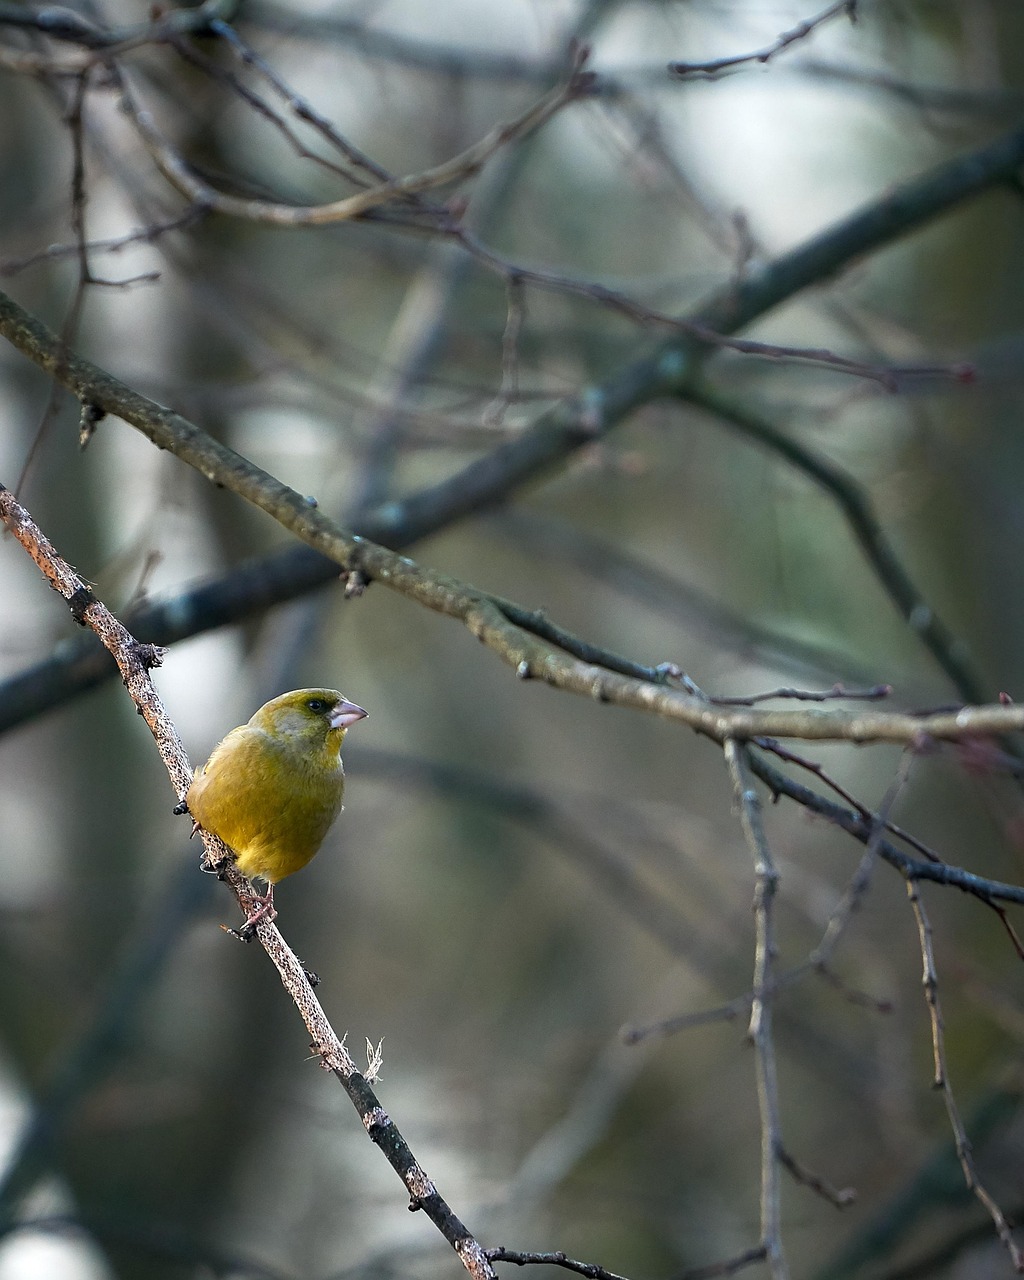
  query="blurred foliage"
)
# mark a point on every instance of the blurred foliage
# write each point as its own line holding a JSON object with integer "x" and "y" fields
{"x": 464, "y": 909}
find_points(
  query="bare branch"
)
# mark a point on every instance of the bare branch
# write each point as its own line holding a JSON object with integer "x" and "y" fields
{"x": 509, "y": 390}
{"x": 576, "y": 423}
{"x": 728, "y": 1267}
{"x": 853, "y": 504}
{"x": 555, "y": 1259}
{"x": 134, "y": 662}
{"x": 64, "y": 24}
{"x": 112, "y": 244}
{"x": 684, "y": 1021}
{"x": 531, "y": 644}
{"x": 469, "y": 162}
{"x": 819, "y": 958}
{"x": 850, "y": 902}
{"x": 812, "y": 766}
{"x": 858, "y": 823}
{"x": 708, "y": 70}
{"x": 497, "y": 623}
{"x": 760, "y": 1029}
{"x": 838, "y": 692}
{"x": 839, "y": 1198}
{"x": 930, "y": 983}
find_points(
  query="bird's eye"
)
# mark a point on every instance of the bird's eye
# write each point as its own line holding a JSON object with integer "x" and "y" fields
{"x": 317, "y": 705}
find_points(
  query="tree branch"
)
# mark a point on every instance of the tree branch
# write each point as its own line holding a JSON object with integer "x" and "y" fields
{"x": 469, "y": 162}
{"x": 930, "y": 984}
{"x": 849, "y": 497}
{"x": 572, "y": 424}
{"x": 489, "y": 618}
{"x": 134, "y": 661}
{"x": 708, "y": 70}
{"x": 763, "y": 989}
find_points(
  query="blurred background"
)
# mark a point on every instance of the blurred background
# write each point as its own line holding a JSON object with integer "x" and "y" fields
{"x": 519, "y": 874}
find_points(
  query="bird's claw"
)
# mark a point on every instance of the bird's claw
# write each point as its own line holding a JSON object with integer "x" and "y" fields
{"x": 265, "y": 911}
{"x": 245, "y": 934}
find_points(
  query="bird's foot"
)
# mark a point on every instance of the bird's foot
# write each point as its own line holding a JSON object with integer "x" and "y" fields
{"x": 265, "y": 911}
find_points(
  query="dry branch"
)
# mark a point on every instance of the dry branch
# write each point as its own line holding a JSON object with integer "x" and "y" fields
{"x": 759, "y": 1031}
{"x": 135, "y": 661}
{"x": 708, "y": 70}
{"x": 177, "y": 171}
{"x": 930, "y": 984}
{"x": 489, "y": 618}
{"x": 577, "y": 422}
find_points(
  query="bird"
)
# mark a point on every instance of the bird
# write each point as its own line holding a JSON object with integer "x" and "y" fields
{"x": 272, "y": 787}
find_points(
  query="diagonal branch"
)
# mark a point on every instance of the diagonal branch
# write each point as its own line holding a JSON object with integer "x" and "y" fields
{"x": 708, "y": 70}
{"x": 576, "y": 422}
{"x": 503, "y": 626}
{"x": 855, "y": 508}
{"x": 135, "y": 661}
{"x": 863, "y": 826}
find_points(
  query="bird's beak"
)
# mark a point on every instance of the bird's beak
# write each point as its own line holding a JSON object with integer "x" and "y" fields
{"x": 345, "y": 714}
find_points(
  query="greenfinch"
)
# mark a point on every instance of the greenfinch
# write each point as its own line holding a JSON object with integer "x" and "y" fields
{"x": 271, "y": 789}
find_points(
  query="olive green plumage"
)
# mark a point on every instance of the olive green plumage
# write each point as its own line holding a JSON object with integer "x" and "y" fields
{"x": 273, "y": 787}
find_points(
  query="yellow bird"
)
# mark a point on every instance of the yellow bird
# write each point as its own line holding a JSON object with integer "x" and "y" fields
{"x": 271, "y": 789}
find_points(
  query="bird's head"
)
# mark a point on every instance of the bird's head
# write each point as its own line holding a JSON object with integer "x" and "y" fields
{"x": 314, "y": 716}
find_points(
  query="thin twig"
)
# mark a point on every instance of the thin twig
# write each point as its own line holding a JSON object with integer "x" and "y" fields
{"x": 727, "y": 1267}
{"x": 554, "y": 1259}
{"x": 812, "y": 766}
{"x": 838, "y": 692}
{"x": 642, "y": 313}
{"x": 188, "y": 52}
{"x": 69, "y": 326}
{"x": 302, "y": 108}
{"x": 390, "y": 190}
{"x": 760, "y": 1029}
{"x": 819, "y": 958}
{"x": 112, "y": 244}
{"x": 849, "y": 496}
{"x": 509, "y": 390}
{"x": 964, "y": 1152}
{"x": 854, "y": 996}
{"x": 854, "y": 823}
{"x": 708, "y": 70}
{"x": 850, "y": 902}
{"x": 467, "y": 163}
{"x": 64, "y": 24}
{"x": 841, "y": 1198}
{"x": 684, "y": 1021}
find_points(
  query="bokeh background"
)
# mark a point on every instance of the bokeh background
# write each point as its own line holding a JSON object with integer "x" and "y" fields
{"x": 518, "y": 873}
